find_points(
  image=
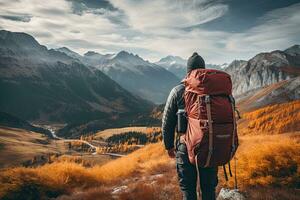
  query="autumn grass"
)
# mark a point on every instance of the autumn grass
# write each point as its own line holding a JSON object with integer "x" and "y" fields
{"x": 49, "y": 180}
{"x": 144, "y": 160}
{"x": 269, "y": 161}
{"x": 18, "y": 146}
{"x": 58, "y": 178}
{"x": 266, "y": 161}
{"x": 274, "y": 119}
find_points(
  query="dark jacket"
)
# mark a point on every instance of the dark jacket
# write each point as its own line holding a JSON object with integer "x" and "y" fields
{"x": 169, "y": 120}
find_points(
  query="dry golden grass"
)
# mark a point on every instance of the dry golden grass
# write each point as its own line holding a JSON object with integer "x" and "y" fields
{"x": 89, "y": 194}
{"x": 144, "y": 160}
{"x": 265, "y": 161}
{"x": 274, "y": 119}
{"x": 18, "y": 146}
{"x": 58, "y": 178}
{"x": 49, "y": 180}
{"x": 164, "y": 188}
{"x": 269, "y": 160}
{"x": 113, "y": 131}
{"x": 86, "y": 160}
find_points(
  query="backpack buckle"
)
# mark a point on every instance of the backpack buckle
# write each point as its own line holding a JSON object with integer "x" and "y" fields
{"x": 207, "y": 99}
{"x": 232, "y": 100}
{"x": 233, "y": 148}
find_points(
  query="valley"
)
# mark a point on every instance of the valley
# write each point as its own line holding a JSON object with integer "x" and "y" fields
{"x": 27, "y": 148}
{"x": 149, "y": 171}
{"x": 87, "y": 126}
{"x": 20, "y": 147}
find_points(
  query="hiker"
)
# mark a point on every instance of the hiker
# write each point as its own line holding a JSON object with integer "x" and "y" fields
{"x": 205, "y": 166}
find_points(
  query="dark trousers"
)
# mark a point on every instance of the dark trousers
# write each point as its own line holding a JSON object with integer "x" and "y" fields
{"x": 187, "y": 176}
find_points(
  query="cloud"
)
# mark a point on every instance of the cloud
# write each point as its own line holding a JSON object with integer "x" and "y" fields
{"x": 53, "y": 23}
{"x": 277, "y": 29}
{"x": 144, "y": 15}
{"x": 16, "y": 17}
{"x": 152, "y": 29}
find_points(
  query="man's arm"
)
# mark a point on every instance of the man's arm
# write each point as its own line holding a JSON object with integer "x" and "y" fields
{"x": 169, "y": 120}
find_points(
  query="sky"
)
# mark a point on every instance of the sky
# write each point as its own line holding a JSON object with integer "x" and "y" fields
{"x": 219, "y": 30}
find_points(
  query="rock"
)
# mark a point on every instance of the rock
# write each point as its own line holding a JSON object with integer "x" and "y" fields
{"x": 156, "y": 176}
{"x": 264, "y": 69}
{"x": 227, "y": 194}
{"x": 117, "y": 190}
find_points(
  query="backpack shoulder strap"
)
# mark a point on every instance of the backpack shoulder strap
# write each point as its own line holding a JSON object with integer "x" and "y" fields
{"x": 232, "y": 101}
{"x": 210, "y": 130}
{"x": 180, "y": 100}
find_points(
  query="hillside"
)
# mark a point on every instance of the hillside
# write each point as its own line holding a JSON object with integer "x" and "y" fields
{"x": 149, "y": 174}
{"x": 264, "y": 69}
{"x": 8, "y": 120}
{"x": 18, "y": 146}
{"x": 44, "y": 85}
{"x": 276, "y": 93}
{"x": 272, "y": 119}
{"x": 116, "y": 131}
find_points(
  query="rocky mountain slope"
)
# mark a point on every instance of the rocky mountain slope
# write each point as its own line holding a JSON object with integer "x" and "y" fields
{"x": 38, "y": 84}
{"x": 143, "y": 78}
{"x": 266, "y": 79}
{"x": 265, "y": 69}
{"x": 276, "y": 93}
{"x": 140, "y": 77}
{"x": 174, "y": 64}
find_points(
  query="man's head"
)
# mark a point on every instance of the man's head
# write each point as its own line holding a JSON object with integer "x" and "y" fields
{"x": 195, "y": 62}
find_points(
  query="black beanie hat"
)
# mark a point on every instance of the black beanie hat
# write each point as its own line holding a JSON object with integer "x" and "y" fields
{"x": 195, "y": 62}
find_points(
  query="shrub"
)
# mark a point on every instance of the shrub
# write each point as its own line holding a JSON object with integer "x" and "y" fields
{"x": 49, "y": 180}
{"x": 269, "y": 161}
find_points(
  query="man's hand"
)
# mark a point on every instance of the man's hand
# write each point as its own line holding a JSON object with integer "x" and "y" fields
{"x": 171, "y": 153}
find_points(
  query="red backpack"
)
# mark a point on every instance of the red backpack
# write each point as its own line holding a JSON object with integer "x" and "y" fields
{"x": 211, "y": 135}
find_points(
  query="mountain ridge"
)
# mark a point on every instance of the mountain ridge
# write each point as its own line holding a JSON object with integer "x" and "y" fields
{"x": 53, "y": 86}
{"x": 177, "y": 65}
{"x": 264, "y": 69}
{"x": 140, "y": 77}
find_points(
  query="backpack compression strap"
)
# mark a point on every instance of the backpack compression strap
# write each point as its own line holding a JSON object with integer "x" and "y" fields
{"x": 210, "y": 130}
{"x": 233, "y": 146}
{"x": 233, "y": 136}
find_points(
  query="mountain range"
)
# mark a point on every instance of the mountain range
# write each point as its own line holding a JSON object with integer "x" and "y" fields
{"x": 264, "y": 69}
{"x": 142, "y": 78}
{"x": 95, "y": 91}
{"x": 177, "y": 65}
{"x": 44, "y": 85}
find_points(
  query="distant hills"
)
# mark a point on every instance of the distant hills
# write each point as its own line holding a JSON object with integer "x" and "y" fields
{"x": 44, "y": 85}
{"x": 177, "y": 65}
{"x": 147, "y": 80}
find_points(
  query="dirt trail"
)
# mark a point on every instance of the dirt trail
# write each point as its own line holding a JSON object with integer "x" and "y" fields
{"x": 94, "y": 148}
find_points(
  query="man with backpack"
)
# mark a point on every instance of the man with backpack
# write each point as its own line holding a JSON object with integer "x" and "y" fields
{"x": 202, "y": 109}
